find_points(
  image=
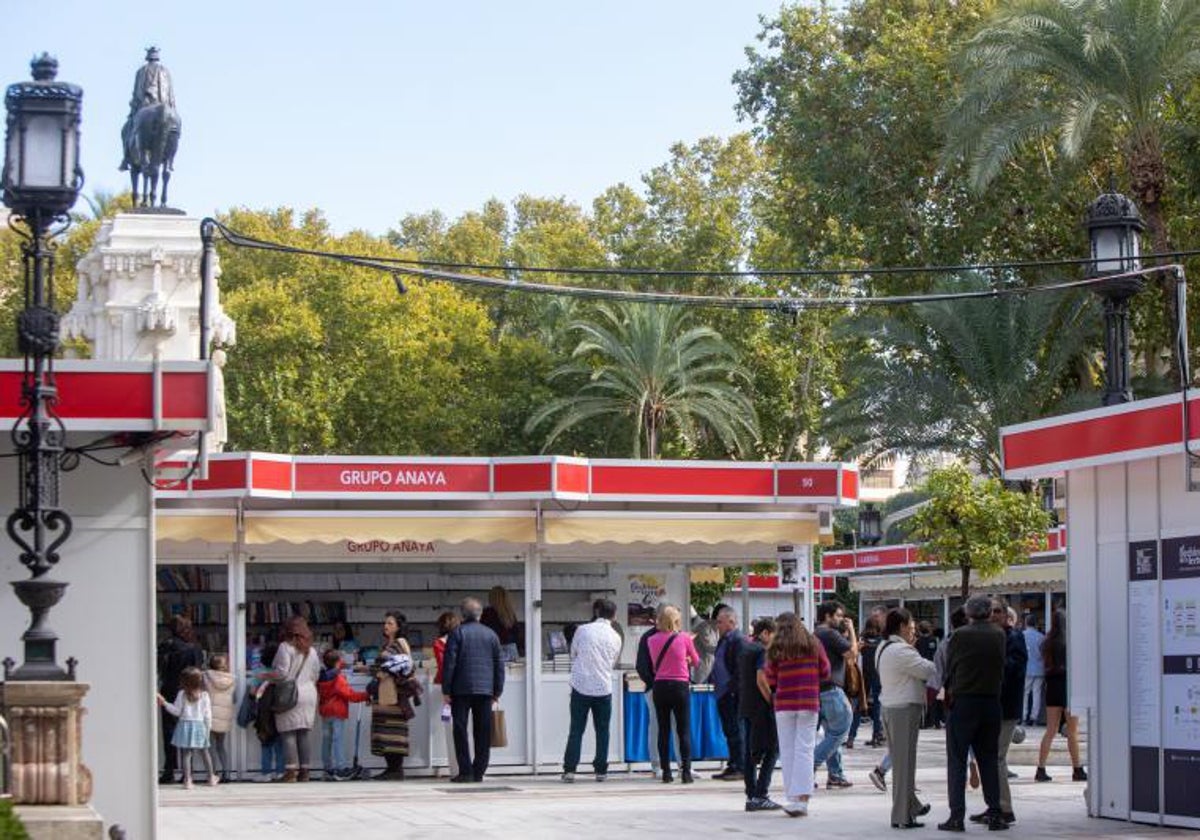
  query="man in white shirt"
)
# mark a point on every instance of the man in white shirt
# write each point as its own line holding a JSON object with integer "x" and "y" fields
{"x": 594, "y": 652}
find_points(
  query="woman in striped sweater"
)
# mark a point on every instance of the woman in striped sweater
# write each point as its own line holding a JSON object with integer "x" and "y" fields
{"x": 796, "y": 666}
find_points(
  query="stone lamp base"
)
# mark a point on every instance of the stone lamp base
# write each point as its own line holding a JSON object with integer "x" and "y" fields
{"x": 45, "y": 722}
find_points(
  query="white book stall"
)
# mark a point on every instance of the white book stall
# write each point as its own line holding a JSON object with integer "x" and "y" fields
{"x": 342, "y": 539}
{"x": 1133, "y": 602}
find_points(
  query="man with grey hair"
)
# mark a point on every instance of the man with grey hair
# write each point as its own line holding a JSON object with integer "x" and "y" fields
{"x": 974, "y": 673}
{"x": 725, "y": 686}
{"x": 472, "y": 681}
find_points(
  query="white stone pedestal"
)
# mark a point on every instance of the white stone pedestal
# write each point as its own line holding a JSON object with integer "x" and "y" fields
{"x": 139, "y": 291}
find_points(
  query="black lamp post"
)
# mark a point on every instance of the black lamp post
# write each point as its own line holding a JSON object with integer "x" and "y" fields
{"x": 870, "y": 525}
{"x": 41, "y": 182}
{"x": 1113, "y": 224}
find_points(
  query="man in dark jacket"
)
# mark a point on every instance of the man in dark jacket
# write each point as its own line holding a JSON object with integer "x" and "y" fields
{"x": 974, "y": 672}
{"x": 1012, "y": 699}
{"x": 723, "y": 677}
{"x": 472, "y": 680}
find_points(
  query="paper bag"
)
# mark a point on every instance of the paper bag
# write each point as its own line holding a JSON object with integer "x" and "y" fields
{"x": 499, "y": 730}
{"x": 387, "y": 691}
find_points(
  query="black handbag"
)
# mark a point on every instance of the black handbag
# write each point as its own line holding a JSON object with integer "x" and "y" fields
{"x": 286, "y": 694}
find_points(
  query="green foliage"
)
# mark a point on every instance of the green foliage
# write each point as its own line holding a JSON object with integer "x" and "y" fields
{"x": 950, "y": 375}
{"x": 1100, "y": 78}
{"x": 977, "y": 525}
{"x": 330, "y": 358}
{"x": 10, "y": 826}
{"x": 649, "y": 368}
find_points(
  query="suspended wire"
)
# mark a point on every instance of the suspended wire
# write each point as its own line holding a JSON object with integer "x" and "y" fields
{"x": 584, "y": 271}
{"x": 779, "y": 303}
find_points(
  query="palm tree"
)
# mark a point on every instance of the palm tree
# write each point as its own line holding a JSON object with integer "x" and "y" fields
{"x": 1068, "y": 69}
{"x": 648, "y": 365}
{"x": 950, "y": 376}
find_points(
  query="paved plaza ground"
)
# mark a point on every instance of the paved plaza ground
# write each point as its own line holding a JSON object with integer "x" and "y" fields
{"x": 628, "y": 805}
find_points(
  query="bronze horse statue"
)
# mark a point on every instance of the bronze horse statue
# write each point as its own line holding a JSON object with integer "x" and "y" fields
{"x": 150, "y": 148}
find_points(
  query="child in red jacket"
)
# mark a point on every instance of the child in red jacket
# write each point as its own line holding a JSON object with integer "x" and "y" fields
{"x": 334, "y": 697}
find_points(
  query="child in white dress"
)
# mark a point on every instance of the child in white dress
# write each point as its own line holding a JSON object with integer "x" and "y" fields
{"x": 193, "y": 707}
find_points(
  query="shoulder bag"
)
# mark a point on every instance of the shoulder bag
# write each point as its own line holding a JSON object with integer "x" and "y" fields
{"x": 286, "y": 694}
{"x": 658, "y": 660}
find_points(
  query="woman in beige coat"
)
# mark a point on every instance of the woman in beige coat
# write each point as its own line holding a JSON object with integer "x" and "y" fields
{"x": 296, "y": 660}
{"x": 902, "y": 676}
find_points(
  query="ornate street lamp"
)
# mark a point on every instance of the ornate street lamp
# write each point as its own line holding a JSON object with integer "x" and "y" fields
{"x": 41, "y": 182}
{"x": 1113, "y": 224}
{"x": 870, "y": 526}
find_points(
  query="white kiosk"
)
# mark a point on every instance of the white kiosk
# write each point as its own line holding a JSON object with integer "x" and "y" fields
{"x": 1133, "y": 563}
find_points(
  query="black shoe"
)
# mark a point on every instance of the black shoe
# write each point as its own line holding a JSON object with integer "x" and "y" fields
{"x": 1041, "y": 775}
{"x": 952, "y": 824}
{"x": 166, "y": 778}
{"x": 667, "y": 778}
{"x": 686, "y": 777}
{"x": 838, "y": 782}
{"x": 924, "y": 809}
{"x": 997, "y": 823}
{"x": 763, "y": 804}
{"x": 909, "y": 824}
{"x": 1078, "y": 775}
{"x": 460, "y": 779}
{"x": 981, "y": 817}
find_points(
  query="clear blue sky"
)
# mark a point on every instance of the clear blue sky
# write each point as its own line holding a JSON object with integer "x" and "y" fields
{"x": 371, "y": 110}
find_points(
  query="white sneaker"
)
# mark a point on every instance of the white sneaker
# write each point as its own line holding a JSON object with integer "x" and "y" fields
{"x": 601, "y": 777}
{"x": 568, "y": 777}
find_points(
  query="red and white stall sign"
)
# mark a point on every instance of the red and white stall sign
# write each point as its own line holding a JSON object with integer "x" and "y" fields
{"x": 423, "y": 478}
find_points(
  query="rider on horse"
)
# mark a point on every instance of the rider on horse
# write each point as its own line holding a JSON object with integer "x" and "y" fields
{"x": 151, "y": 86}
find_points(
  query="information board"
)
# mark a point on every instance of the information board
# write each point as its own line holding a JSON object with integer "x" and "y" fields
{"x": 1180, "y": 598}
{"x": 1145, "y": 704}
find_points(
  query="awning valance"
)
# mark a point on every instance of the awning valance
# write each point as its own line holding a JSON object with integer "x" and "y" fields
{"x": 390, "y": 526}
{"x": 654, "y": 528}
{"x": 517, "y": 527}
{"x": 207, "y": 526}
{"x": 1039, "y": 574}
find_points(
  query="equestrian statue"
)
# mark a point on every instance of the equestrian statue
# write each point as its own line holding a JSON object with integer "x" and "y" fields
{"x": 150, "y": 135}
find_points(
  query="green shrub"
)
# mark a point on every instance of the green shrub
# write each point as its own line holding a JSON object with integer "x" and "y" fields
{"x": 10, "y": 826}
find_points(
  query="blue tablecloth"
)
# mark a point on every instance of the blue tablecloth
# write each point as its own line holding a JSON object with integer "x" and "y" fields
{"x": 708, "y": 739}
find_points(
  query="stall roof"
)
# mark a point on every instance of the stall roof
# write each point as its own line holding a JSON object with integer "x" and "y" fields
{"x": 1109, "y": 435}
{"x": 551, "y": 500}
{"x": 1034, "y": 574}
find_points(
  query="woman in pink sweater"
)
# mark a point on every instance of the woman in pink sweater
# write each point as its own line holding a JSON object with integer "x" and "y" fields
{"x": 672, "y": 652}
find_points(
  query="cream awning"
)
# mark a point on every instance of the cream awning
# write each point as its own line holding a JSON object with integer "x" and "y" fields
{"x": 1040, "y": 574}
{"x": 391, "y": 526}
{"x": 709, "y": 528}
{"x": 183, "y": 525}
{"x": 519, "y": 527}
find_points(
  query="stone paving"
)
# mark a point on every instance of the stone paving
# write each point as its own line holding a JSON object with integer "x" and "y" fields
{"x": 628, "y": 805}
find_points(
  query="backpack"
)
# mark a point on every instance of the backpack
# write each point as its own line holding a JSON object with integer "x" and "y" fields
{"x": 644, "y": 665}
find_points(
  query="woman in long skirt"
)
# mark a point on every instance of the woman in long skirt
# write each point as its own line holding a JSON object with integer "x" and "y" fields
{"x": 389, "y": 719}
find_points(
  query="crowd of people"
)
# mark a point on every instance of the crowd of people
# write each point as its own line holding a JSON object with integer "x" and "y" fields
{"x": 787, "y": 696}
{"x": 291, "y": 684}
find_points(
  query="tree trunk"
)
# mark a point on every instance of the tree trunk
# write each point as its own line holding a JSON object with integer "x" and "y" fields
{"x": 966, "y": 582}
{"x": 1148, "y": 177}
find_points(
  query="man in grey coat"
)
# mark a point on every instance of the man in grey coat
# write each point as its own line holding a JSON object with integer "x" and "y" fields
{"x": 472, "y": 680}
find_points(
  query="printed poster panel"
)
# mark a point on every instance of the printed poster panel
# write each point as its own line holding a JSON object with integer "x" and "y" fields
{"x": 1181, "y": 676}
{"x": 646, "y": 592}
{"x": 1145, "y": 703}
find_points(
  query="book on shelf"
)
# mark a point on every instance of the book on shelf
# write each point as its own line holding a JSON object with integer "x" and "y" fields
{"x": 189, "y": 579}
{"x": 317, "y": 612}
{"x": 197, "y": 613}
